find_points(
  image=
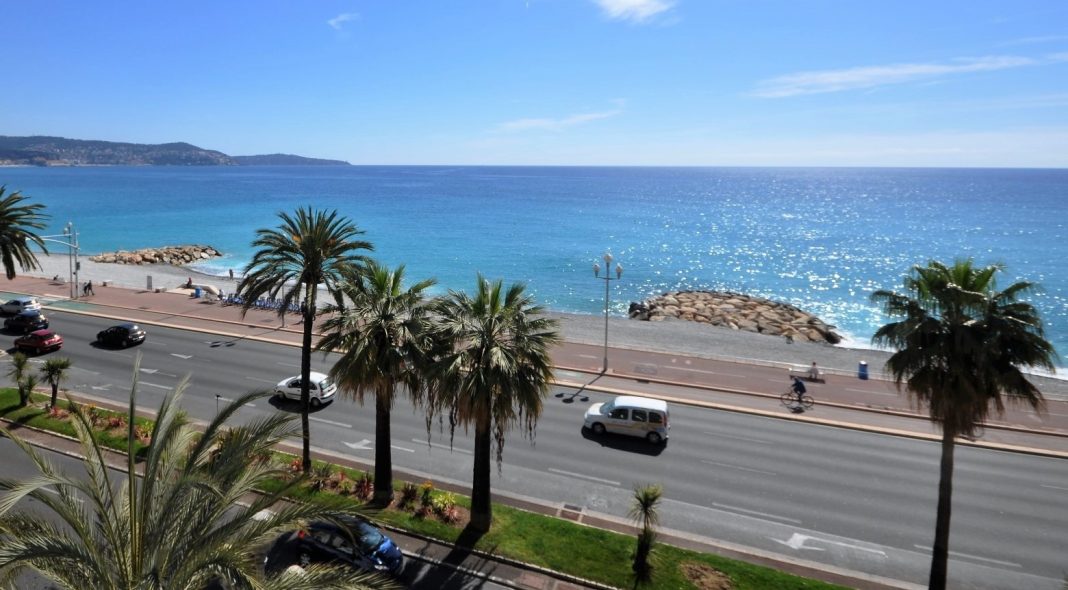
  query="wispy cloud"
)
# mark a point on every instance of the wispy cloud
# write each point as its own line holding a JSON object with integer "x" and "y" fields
{"x": 817, "y": 82}
{"x": 341, "y": 19}
{"x": 637, "y": 11}
{"x": 548, "y": 124}
{"x": 1034, "y": 40}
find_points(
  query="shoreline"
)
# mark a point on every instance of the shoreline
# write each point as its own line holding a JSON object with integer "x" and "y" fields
{"x": 679, "y": 337}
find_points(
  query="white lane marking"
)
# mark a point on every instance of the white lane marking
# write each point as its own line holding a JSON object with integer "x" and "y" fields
{"x": 261, "y": 380}
{"x": 797, "y": 541}
{"x": 1054, "y": 487}
{"x": 730, "y": 508}
{"x": 262, "y": 515}
{"x": 927, "y": 549}
{"x": 182, "y": 356}
{"x": 745, "y": 438}
{"x": 153, "y": 385}
{"x": 297, "y": 365}
{"x": 405, "y": 449}
{"x": 761, "y": 471}
{"x": 703, "y": 371}
{"x": 230, "y": 401}
{"x": 441, "y": 446}
{"x": 872, "y": 392}
{"x": 149, "y": 371}
{"x": 586, "y": 477}
{"x": 330, "y": 422}
{"x": 56, "y": 493}
{"x": 588, "y": 356}
{"x": 101, "y": 387}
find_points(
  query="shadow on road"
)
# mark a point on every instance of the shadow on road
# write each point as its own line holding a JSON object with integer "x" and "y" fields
{"x": 622, "y": 442}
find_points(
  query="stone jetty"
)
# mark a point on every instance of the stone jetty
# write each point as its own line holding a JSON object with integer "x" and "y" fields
{"x": 737, "y": 312}
{"x": 176, "y": 255}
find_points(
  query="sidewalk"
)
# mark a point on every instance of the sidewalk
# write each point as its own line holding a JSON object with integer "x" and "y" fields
{"x": 744, "y": 384}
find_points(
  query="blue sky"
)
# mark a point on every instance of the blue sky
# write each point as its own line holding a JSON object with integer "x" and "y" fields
{"x": 583, "y": 82}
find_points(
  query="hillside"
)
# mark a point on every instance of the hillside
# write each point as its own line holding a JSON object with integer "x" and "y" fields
{"x": 42, "y": 150}
{"x": 60, "y": 151}
{"x": 286, "y": 160}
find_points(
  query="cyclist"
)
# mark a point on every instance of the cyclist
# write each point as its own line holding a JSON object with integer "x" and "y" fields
{"x": 799, "y": 388}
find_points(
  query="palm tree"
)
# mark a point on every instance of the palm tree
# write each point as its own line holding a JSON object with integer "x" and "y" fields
{"x": 54, "y": 372}
{"x": 190, "y": 519}
{"x": 644, "y": 512}
{"x": 492, "y": 370}
{"x": 17, "y": 220}
{"x": 20, "y": 365}
{"x": 308, "y": 249}
{"x": 960, "y": 345}
{"x": 381, "y": 330}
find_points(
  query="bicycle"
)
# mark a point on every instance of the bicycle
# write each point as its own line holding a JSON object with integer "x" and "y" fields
{"x": 791, "y": 400}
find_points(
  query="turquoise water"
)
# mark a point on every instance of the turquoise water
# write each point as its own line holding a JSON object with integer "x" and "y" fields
{"x": 822, "y": 239}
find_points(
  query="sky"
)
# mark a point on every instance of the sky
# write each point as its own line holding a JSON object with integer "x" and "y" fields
{"x": 974, "y": 83}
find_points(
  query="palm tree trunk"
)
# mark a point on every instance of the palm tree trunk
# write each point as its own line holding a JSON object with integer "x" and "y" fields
{"x": 481, "y": 509}
{"x": 305, "y": 377}
{"x": 383, "y": 453}
{"x": 940, "y": 552}
{"x": 55, "y": 394}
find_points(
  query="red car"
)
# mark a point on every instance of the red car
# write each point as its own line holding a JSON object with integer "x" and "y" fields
{"x": 39, "y": 341}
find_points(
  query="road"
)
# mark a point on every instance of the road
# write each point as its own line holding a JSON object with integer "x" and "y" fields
{"x": 858, "y": 501}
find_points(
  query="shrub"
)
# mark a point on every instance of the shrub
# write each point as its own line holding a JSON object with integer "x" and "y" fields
{"x": 365, "y": 486}
{"x": 443, "y": 503}
{"x": 426, "y": 494}
{"x": 116, "y": 421}
{"x": 320, "y": 475}
{"x": 450, "y": 515}
{"x": 57, "y": 413}
{"x": 409, "y": 492}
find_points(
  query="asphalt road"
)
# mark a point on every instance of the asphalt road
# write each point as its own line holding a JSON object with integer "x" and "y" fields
{"x": 847, "y": 499}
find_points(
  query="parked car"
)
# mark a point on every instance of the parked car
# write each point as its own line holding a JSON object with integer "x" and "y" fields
{"x": 320, "y": 391}
{"x": 19, "y": 304}
{"x": 26, "y": 321}
{"x": 631, "y": 415}
{"x": 39, "y": 341}
{"x": 123, "y": 335}
{"x": 358, "y": 544}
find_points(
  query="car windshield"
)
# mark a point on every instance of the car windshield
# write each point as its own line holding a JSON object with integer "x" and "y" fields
{"x": 368, "y": 538}
{"x": 325, "y": 384}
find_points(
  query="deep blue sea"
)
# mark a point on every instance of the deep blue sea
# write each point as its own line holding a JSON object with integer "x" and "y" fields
{"x": 820, "y": 238}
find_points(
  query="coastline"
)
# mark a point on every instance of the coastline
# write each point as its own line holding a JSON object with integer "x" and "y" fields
{"x": 684, "y": 338}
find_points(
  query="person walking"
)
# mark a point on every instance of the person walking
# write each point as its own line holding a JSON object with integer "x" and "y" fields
{"x": 88, "y": 290}
{"x": 231, "y": 274}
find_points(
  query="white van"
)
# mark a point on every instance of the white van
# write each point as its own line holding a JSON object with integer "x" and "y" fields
{"x": 632, "y": 415}
{"x": 320, "y": 391}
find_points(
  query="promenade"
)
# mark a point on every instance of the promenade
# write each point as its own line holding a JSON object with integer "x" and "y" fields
{"x": 682, "y": 363}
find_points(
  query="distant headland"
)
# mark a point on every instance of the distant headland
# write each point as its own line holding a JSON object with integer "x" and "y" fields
{"x": 39, "y": 150}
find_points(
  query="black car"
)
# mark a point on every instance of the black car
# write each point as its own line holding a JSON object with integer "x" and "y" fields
{"x": 121, "y": 335}
{"x": 359, "y": 544}
{"x": 26, "y": 321}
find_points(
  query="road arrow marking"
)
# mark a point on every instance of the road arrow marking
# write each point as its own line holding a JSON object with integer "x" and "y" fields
{"x": 797, "y": 541}
{"x": 363, "y": 445}
{"x": 182, "y": 356}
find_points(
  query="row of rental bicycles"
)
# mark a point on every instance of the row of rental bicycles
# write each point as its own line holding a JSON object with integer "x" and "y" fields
{"x": 264, "y": 303}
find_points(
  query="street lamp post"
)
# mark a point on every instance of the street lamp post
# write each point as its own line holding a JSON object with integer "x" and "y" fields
{"x": 73, "y": 265}
{"x": 607, "y": 278}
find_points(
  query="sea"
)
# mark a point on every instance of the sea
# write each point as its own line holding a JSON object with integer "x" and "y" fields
{"x": 820, "y": 238}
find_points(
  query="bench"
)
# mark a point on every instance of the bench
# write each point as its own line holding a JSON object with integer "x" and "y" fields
{"x": 805, "y": 374}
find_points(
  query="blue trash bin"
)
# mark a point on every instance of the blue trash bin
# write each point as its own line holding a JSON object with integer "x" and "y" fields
{"x": 862, "y": 370}
{"x": 196, "y": 292}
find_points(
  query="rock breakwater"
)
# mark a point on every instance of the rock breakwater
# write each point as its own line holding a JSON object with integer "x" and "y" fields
{"x": 738, "y": 312}
{"x": 176, "y": 255}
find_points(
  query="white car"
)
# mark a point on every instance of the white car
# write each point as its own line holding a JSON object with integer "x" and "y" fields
{"x": 321, "y": 390}
{"x": 631, "y": 415}
{"x": 20, "y": 304}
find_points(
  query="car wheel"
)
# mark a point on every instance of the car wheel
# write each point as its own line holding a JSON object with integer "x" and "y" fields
{"x": 597, "y": 428}
{"x": 654, "y": 438}
{"x": 316, "y": 402}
